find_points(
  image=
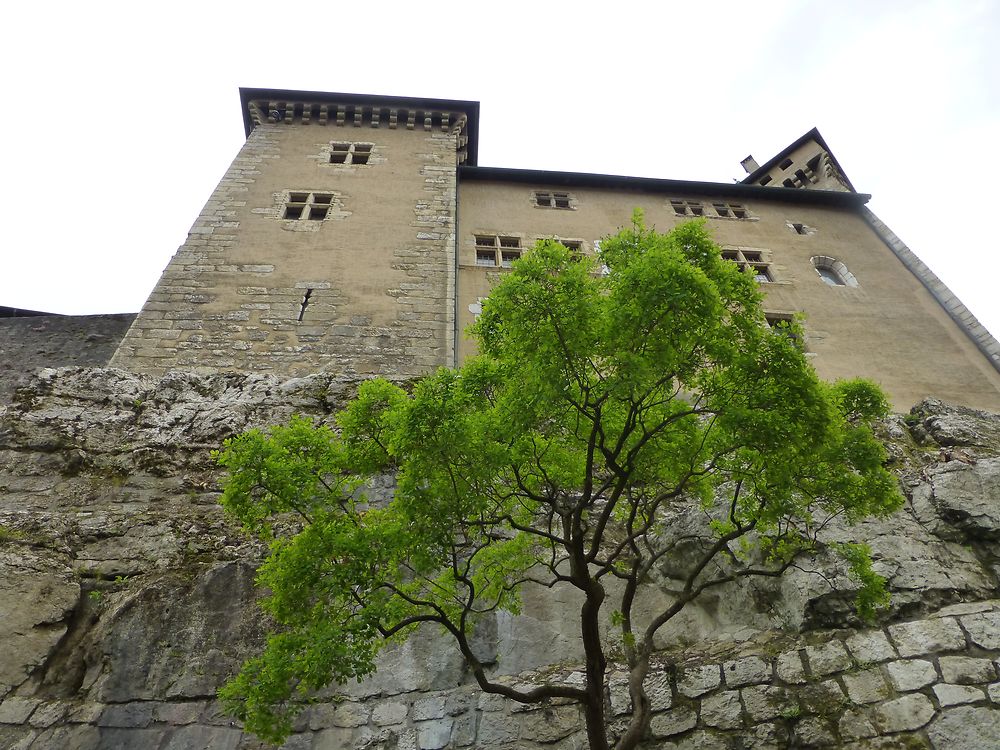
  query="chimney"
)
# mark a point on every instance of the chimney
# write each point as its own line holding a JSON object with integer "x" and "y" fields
{"x": 750, "y": 164}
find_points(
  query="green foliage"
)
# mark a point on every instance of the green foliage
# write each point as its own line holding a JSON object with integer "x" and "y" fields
{"x": 608, "y": 400}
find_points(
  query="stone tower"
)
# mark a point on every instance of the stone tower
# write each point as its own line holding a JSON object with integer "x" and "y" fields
{"x": 329, "y": 244}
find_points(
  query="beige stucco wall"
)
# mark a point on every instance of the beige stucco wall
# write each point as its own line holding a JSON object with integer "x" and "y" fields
{"x": 888, "y": 328}
{"x": 380, "y": 267}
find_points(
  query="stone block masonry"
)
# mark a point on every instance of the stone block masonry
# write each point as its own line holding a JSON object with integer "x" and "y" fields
{"x": 364, "y": 286}
{"x": 698, "y": 702}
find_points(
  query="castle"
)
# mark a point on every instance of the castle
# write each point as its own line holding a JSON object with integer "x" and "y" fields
{"x": 357, "y": 234}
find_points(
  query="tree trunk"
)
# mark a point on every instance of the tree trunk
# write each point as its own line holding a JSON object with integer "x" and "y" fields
{"x": 596, "y": 666}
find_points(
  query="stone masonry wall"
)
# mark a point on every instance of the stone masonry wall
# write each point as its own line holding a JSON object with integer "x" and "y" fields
{"x": 127, "y": 598}
{"x": 369, "y": 289}
{"x": 29, "y": 343}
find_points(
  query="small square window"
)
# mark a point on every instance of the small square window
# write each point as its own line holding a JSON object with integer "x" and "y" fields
{"x": 350, "y": 153}
{"x": 546, "y": 199}
{"x": 486, "y": 257}
{"x": 752, "y": 259}
{"x": 765, "y": 179}
{"x": 687, "y": 208}
{"x": 800, "y": 229}
{"x": 510, "y": 242}
{"x": 785, "y": 164}
{"x": 731, "y": 210}
{"x": 507, "y": 257}
{"x": 308, "y": 206}
{"x": 483, "y": 240}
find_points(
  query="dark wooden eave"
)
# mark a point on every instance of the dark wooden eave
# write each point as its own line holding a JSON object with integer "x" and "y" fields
{"x": 652, "y": 185}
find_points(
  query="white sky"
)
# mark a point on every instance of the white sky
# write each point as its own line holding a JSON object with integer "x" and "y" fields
{"x": 120, "y": 118}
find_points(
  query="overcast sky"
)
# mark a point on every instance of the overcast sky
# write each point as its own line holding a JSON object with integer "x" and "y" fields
{"x": 120, "y": 118}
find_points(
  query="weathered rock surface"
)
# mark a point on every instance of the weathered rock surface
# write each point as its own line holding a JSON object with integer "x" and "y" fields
{"x": 126, "y": 598}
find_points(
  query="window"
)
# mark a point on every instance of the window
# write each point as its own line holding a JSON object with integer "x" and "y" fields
{"x": 765, "y": 179}
{"x": 687, "y": 208}
{"x": 731, "y": 210}
{"x": 497, "y": 250}
{"x": 552, "y": 200}
{"x": 800, "y": 228}
{"x": 783, "y": 323}
{"x": 785, "y": 164}
{"x": 752, "y": 259}
{"x": 833, "y": 272}
{"x": 308, "y": 206}
{"x": 350, "y": 153}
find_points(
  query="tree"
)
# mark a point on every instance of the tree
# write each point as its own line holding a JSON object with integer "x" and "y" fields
{"x": 606, "y": 402}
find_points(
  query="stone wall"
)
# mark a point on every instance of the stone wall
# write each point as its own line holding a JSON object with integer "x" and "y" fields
{"x": 368, "y": 289}
{"x": 29, "y": 343}
{"x": 126, "y": 599}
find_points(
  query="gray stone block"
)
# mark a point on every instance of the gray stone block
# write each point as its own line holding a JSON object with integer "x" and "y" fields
{"x": 673, "y": 722}
{"x": 389, "y": 712}
{"x": 963, "y": 670}
{"x": 790, "y": 669}
{"x": 904, "y": 714}
{"x": 196, "y": 737}
{"x": 983, "y": 629}
{"x": 550, "y": 724}
{"x": 722, "y": 710}
{"x": 764, "y": 702}
{"x": 955, "y": 695}
{"x": 967, "y": 728}
{"x": 17, "y": 710}
{"x": 496, "y": 729}
{"x": 856, "y": 725}
{"x": 927, "y": 636}
{"x": 911, "y": 674}
{"x": 130, "y": 715}
{"x": 827, "y": 658}
{"x": 433, "y": 734}
{"x": 870, "y": 647}
{"x": 868, "y": 686}
{"x": 750, "y": 670}
{"x": 695, "y": 681}
{"x": 814, "y": 730}
{"x": 658, "y": 689}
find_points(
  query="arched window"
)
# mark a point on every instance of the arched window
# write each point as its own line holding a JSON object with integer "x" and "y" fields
{"x": 833, "y": 272}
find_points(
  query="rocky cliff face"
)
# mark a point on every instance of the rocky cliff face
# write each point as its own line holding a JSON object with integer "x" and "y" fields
{"x": 126, "y": 598}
